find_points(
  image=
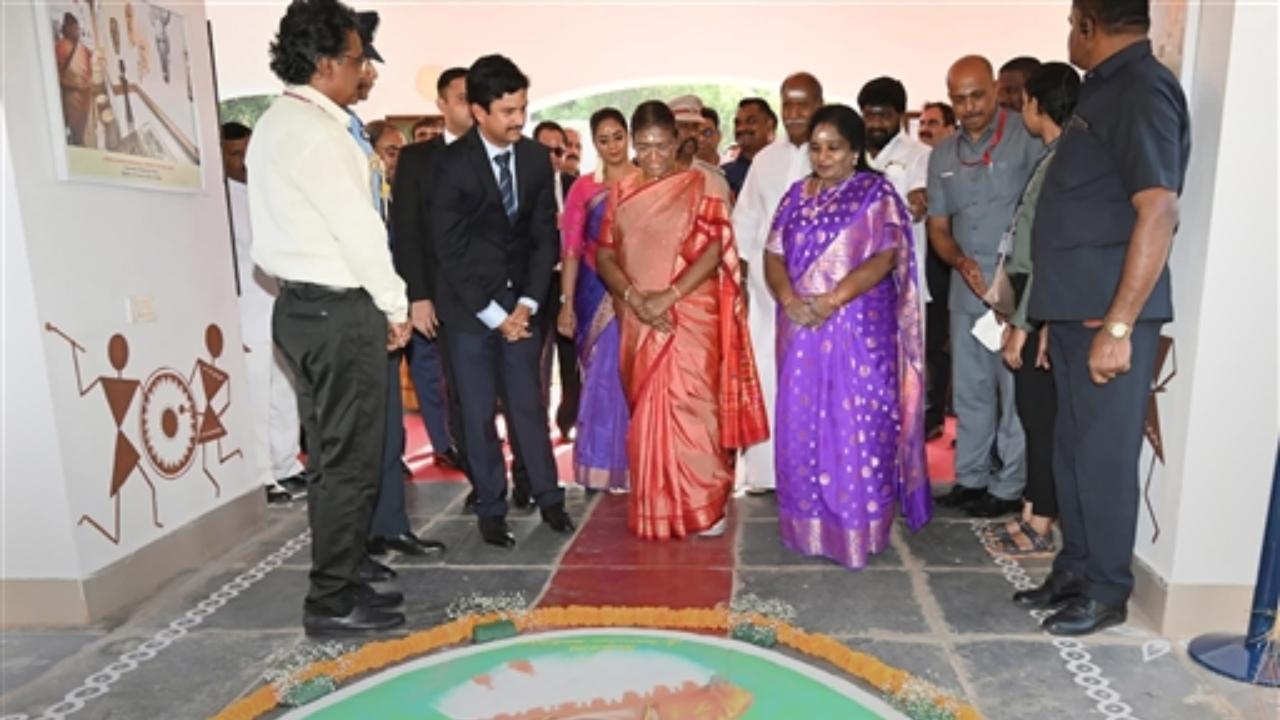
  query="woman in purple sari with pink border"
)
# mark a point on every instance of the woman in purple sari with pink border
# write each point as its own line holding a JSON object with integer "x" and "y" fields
{"x": 587, "y": 314}
{"x": 850, "y": 413}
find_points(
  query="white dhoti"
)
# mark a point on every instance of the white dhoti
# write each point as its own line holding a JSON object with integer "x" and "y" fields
{"x": 274, "y": 409}
{"x": 761, "y": 317}
{"x": 772, "y": 172}
{"x": 272, "y": 400}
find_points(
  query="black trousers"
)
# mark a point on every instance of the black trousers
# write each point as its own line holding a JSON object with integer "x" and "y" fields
{"x": 1096, "y": 442}
{"x": 456, "y": 428}
{"x": 390, "y": 517}
{"x": 335, "y": 344}
{"x": 1037, "y": 403}
{"x": 484, "y": 364}
{"x": 937, "y": 341}
{"x": 562, "y": 348}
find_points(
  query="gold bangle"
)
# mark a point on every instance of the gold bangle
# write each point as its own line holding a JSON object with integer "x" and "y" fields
{"x": 626, "y": 295}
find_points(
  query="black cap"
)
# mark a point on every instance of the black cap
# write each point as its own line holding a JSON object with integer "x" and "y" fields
{"x": 368, "y": 24}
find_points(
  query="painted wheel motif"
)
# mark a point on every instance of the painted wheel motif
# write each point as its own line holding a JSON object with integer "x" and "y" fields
{"x": 168, "y": 421}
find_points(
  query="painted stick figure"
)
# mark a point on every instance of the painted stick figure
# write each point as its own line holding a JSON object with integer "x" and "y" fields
{"x": 1155, "y": 436}
{"x": 212, "y": 380}
{"x": 120, "y": 393}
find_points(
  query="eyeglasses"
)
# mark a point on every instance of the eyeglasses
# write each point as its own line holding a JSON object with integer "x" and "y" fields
{"x": 364, "y": 61}
{"x": 557, "y": 151}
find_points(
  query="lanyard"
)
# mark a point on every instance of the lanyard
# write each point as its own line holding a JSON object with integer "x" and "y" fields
{"x": 296, "y": 96}
{"x": 1006, "y": 240}
{"x": 378, "y": 183}
{"x": 986, "y": 154}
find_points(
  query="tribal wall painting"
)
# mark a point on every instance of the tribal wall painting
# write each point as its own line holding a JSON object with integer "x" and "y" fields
{"x": 1166, "y": 369}
{"x": 180, "y": 417}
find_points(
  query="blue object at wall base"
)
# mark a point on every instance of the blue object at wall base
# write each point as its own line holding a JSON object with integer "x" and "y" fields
{"x": 1228, "y": 656}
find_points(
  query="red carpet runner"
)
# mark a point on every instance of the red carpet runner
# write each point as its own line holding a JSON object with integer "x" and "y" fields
{"x": 606, "y": 565}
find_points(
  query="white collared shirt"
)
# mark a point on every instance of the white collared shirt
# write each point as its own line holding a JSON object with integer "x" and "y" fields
{"x": 494, "y": 151}
{"x": 905, "y": 164}
{"x": 309, "y": 202}
{"x": 493, "y": 314}
{"x": 773, "y": 171}
{"x": 449, "y": 137}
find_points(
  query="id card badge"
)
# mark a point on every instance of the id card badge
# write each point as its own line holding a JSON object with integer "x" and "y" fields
{"x": 1006, "y": 243}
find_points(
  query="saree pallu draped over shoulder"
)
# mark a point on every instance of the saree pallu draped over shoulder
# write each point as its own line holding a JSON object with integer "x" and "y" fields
{"x": 850, "y": 391}
{"x": 600, "y": 446}
{"x": 694, "y": 392}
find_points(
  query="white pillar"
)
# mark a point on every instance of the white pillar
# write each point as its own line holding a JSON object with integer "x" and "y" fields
{"x": 1220, "y": 413}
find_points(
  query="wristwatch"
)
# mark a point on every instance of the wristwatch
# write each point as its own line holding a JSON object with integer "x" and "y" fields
{"x": 1117, "y": 329}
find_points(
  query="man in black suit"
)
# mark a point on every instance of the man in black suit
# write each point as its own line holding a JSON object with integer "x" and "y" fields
{"x": 492, "y": 218}
{"x": 550, "y": 134}
{"x": 416, "y": 263}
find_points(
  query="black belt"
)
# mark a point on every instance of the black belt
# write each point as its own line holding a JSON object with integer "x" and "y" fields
{"x": 296, "y": 285}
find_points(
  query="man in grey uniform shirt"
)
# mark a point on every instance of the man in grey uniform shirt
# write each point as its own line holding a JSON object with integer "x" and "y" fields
{"x": 975, "y": 178}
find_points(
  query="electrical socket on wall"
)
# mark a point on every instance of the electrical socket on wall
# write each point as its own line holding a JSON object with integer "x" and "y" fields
{"x": 142, "y": 309}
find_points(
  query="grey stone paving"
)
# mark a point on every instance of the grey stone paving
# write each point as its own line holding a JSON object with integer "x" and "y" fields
{"x": 934, "y": 604}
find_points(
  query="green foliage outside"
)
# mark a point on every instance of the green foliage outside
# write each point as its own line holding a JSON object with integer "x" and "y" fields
{"x": 722, "y": 98}
{"x": 246, "y": 109}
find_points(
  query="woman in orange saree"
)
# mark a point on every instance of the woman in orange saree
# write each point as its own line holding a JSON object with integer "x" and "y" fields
{"x": 667, "y": 256}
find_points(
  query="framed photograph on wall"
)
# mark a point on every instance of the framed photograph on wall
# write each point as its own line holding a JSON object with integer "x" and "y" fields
{"x": 120, "y": 99}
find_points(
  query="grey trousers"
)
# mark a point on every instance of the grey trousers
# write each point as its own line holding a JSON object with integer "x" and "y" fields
{"x": 986, "y": 418}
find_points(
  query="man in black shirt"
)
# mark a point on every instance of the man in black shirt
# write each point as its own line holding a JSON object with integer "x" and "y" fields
{"x": 753, "y": 128}
{"x": 1103, "y": 228}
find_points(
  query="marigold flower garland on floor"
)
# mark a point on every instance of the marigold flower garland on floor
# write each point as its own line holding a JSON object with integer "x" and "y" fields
{"x": 921, "y": 699}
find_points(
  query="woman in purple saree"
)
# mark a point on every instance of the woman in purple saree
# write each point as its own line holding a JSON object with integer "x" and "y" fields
{"x": 587, "y": 314}
{"x": 850, "y": 423}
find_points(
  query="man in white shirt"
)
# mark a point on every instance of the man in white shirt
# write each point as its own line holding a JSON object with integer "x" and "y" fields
{"x": 773, "y": 171}
{"x": 341, "y": 304}
{"x": 903, "y": 160}
{"x": 271, "y": 397}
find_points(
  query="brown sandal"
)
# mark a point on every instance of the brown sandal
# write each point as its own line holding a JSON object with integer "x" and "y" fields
{"x": 1039, "y": 544}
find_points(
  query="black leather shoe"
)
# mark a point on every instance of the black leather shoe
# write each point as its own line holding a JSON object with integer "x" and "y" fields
{"x": 1056, "y": 589}
{"x": 495, "y": 532}
{"x": 361, "y": 620}
{"x": 990, "y": 506}
{"x": 295, "y": 484}
{"x": 961, "y": 496}
{"x": 557, "y": 519}
{"x": 277, "y": 495}
{"x": 371, "y": 570}
{"x": 406, "y": 544}
{"x": 449, "y": 459}
{"x": 366, "y": 595}
{"x": 469, "y": 505}
{"x": 1083, "y": 616}
{"x": 520, "y": 498}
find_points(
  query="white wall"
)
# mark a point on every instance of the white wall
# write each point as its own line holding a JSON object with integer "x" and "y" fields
{"x": 33, "y": 498}
{"x": 91, "y": 247}
{"x": 1220, "y": 413}
{"x": 567, "y": 48}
